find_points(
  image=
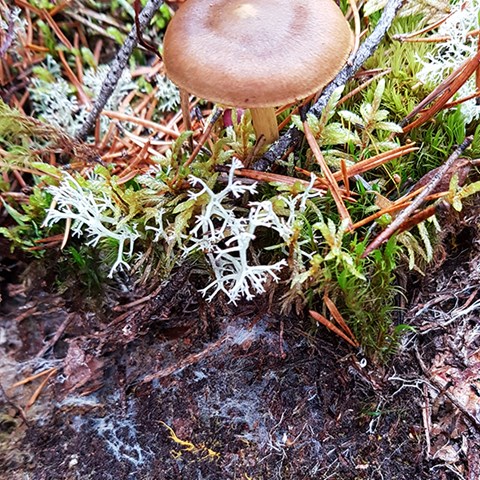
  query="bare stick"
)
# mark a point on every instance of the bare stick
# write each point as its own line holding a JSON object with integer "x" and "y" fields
{"x": 9, "y": 34}
{"x": 117, "y": 67}
{"x": 191, "y": 359}
{"x": 55, "y": 338}
{"x": 293, "y": 136}
{"x": 435, "y": 180}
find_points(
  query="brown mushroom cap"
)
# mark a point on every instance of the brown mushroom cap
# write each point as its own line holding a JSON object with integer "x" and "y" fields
{"x": 256, "y": 53}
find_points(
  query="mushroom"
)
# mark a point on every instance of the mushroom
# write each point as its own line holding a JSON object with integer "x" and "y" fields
{"x": 256, "y": 54}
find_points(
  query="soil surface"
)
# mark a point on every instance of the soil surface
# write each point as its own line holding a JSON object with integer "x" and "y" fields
{"x": 171, "y": 388}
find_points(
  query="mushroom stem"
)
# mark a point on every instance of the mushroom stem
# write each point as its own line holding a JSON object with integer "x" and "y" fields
{"x": 185, "y": 107}
{"x": 265, "y": 123}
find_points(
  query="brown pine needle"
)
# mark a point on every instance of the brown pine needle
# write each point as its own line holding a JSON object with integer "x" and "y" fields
{"x": 78, "y": 58}
{"x": 438, "y": 39}
{"x": 443, "y": 93}
{"x": 53, "y": 238}
{"x": 37, "y": 48}
{"x": 129, "y": 176}
{"x": 366, "y": 165}
{"x": 38, "y": 391}
{"x": 374, "y": 162}
{"x": 343, "y": 165}
{"x": 273, "y": 178}
{"x": 399, "y": 204}
{"x": 204, "y": 136}
{"x": 138, "y": 158}
{"x": 464, "y": 99}
{"x": 477, "y": 73}
{"x": 364, "y": 85}
{"x": 141, "y": 121}
{"x": 56, "y": 29}
{"x": 327, "y": 323}
{"x": 29, "y": 170}
{"x": 332, "y": 308}
{"x": 405, "y": 36}
{"x": 332, "y": 183}
{"x": 286, "y": 121}
{"x": 187, "y": 121}
{"x": 392, "y": 208}
{"x": 34, "y": 377}
{"x": 435, "y": 94}
{"x": 417, "y": 218}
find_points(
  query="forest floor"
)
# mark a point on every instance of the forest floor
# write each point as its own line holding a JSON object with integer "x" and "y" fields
{"x": 150, "y": 380}
{"x": 243, "y": 393}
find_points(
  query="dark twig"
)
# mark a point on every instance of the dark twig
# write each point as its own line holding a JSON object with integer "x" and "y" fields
{"x": 147, "y": 45}
{"x": 117, "y": 67}
{"x": 55, "y": 338}
{"x": 434, "y": 181}
{"x": 9, "y": 35}
{"x": 293, "y": 136}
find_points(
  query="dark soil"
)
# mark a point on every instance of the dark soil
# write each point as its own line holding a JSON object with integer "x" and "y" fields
{"x": 175, "y": 389}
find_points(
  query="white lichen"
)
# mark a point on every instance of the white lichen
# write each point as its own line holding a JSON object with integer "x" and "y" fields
{"x": 93, "y": 214}
{"x": 9, "y": 18}
{"x": 449, "y": 55}
{"x": 226, "y": 237}
{"x": 55, "y": 100}
{"x": 168, "y": 94}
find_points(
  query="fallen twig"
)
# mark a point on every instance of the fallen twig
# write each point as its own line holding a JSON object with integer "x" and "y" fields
{"x": 117, "y": 67}
{"x": 48, "y": 345}
{"x": 435, "y": 180}
{"x": 8, "y": 36}
{"x": 191, "y": 359}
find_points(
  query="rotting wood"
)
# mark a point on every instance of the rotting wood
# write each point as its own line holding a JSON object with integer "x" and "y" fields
{"x": 444, "y": 391}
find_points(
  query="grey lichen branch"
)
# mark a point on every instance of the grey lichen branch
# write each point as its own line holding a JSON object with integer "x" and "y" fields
{"x": 117, "y": 67}
{"x": 293, "y": 136}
